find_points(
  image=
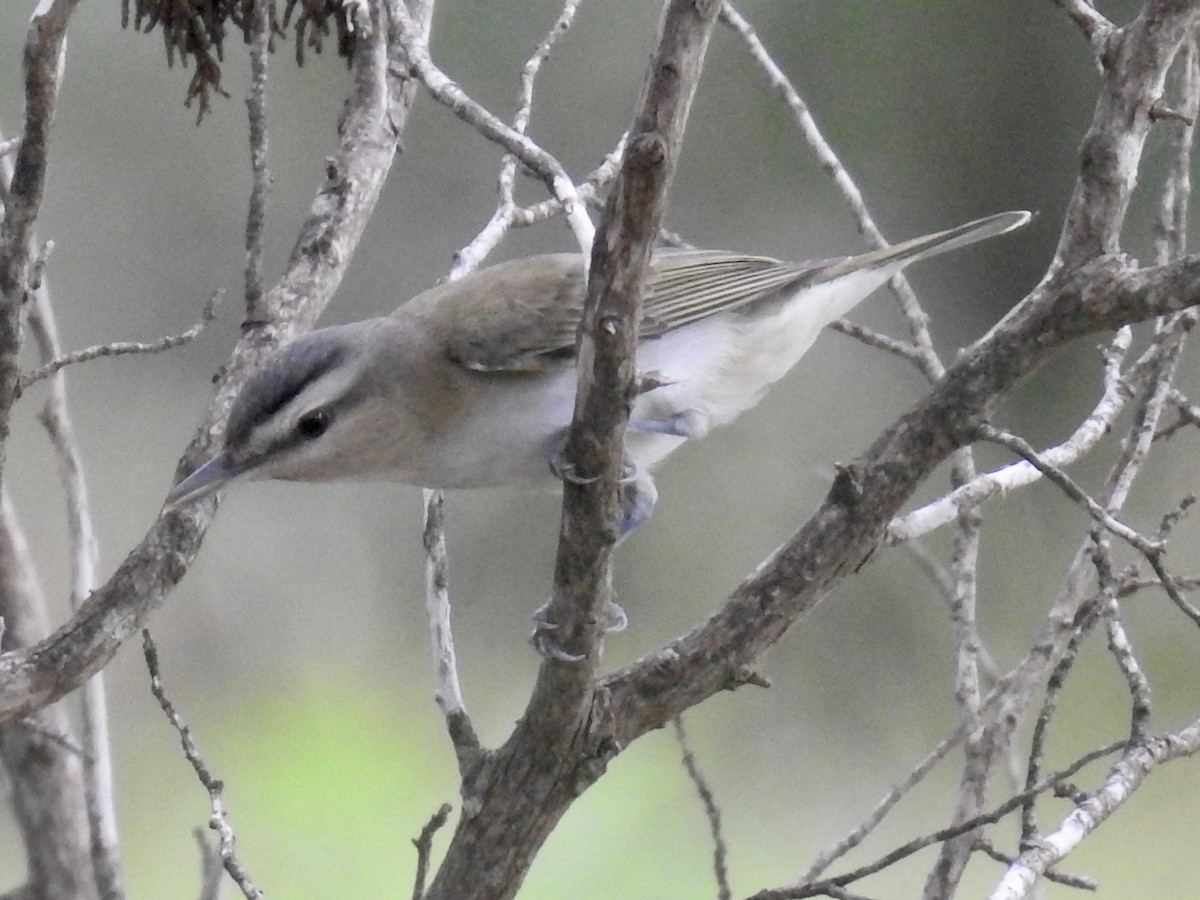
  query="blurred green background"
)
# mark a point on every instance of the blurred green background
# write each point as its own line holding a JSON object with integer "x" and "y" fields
{"x": 296, "y": 647}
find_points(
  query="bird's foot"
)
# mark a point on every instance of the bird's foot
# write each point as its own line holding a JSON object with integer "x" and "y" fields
{"x": 638, "y": 493}
{"x": 688, "y": 424}
{"x": 638, "y": 497}
{"x": 564, "y": 470}
{"x": 545, "y": 641}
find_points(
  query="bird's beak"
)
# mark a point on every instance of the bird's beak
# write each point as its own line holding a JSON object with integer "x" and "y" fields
{"x": 209, "y": 478}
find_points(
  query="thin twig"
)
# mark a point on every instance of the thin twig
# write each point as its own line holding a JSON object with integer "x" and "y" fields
{"x": 588, "y": 190}
{"x": 1189, "y": 413}
{"x": 897, "y": 792}
{"x": 470, "y": 256}
{"x": 121, "y": 348}
{"x": 424, "y": 844}
{"x": 1119, "y": 644}
{"x": 1121, "y": 783}
{"x": 964, "y": 565}
{"x": 219, "y": 819}
{"x": 1170, "y": 227}
{"x": 1086, "y": 437}
{"x": 1132, "y": 585}
{"x": 1139, "y": 685}
{"x": 447, "y": 691}
{"x": 1167, "y": 583}
{"x": 917, "y": 319}
{"x": 1085, "y": 620}
{"x": 97, "y": 761}
{"x": 1148, "y": 547}
{"x": 871, "y": 338}
{"x": 452, "y": 96}
{"x": 711, "y": 811}
{"x": 816, "y": 889}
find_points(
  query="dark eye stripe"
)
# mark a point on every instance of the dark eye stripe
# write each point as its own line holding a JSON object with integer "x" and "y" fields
{"x": 284, "y": 376}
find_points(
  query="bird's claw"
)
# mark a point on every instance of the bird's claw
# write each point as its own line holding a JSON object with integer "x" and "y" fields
{"x": 565, "y": 471}
{"x": 543, "y": 639}
{"x": 615, "y": 618}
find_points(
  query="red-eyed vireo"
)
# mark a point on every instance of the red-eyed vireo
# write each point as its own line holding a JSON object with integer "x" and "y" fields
{"x": 472, "y": 383}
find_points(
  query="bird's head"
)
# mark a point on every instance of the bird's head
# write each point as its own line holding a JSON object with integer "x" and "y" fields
{"x": 303, "y": 416}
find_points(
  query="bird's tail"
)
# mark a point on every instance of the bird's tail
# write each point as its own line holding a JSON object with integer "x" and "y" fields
{"x": 899, "y": 255}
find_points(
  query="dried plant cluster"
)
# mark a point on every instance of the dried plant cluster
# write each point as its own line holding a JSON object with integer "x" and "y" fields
{"x": 578, "y": 717}
{"x": 195, "y": 30}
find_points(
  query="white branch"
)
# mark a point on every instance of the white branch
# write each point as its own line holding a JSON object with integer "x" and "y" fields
{"x": 1123, "y": 780}
{"x": 1090, "y": 432}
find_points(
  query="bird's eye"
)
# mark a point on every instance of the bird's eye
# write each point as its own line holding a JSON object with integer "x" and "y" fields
{"x": 313, "y": 424}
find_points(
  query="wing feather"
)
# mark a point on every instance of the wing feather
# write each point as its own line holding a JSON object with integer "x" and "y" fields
{"x": 534, "y": 328}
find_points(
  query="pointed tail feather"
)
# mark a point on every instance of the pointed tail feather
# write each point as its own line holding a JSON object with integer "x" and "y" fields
{"x": 929, "y": 245}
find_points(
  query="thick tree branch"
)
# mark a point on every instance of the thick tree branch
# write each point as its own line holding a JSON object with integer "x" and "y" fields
{"x": 1101, "y": 296}
{"x": 44, "y": 771}
{"x": 1135, "y": 60}
{"x": 1078, "y": 298}
{"x": 45, "y": 50}
{"x": 562, "y": 743}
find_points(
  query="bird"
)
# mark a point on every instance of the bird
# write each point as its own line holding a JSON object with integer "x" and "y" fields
{"x": 472, "y": 383}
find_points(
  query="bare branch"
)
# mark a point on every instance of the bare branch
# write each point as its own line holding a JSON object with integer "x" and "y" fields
{"x": 42, "y": 763}
{"x": 469, "y": 258}
{"x": 219, "y": 820}
{"x": 1085, "y": 620}
{"x": 980, "y": 751}
{"x": 1094, "y": 26}
{"x": 1135, "y": 61}
{"x": 424, "y": 844}
{"x": 897, "y": 792}
{"x": 563, "y": 741}
{"x": 448, "y": 692}
{"x": 122, "y": 348}
{"x": 1146, "y": 546}
{"x": 1080, "y": 882}
{"x": 588, "y": 190}
{"x": 820, "y": 888}
{"x": 97, "y": 760}
{"x": 256, "y": 107}
{"x": 45, "y": 52}
{"x": 918, "y": 321}
{"x": 1139, "y": 685}
{"x": 979, "y": 490}
{"x": 711, "y": 811}
{"x": 1171, "y": 226}
{"x": 1167, "y": 583}
{"x": 452, "y": 96}
{"x": 906, "y": 351}
{"x": 1123, "y": 779}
